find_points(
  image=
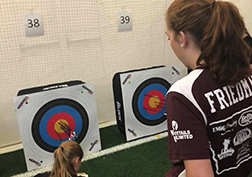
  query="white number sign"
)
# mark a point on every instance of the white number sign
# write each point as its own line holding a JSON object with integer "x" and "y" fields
{"x": 33, "y": 25}
{"x": 124, "y": 21}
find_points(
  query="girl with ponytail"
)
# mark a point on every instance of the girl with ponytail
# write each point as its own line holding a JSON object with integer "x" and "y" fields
{"x": 209, "y": 112}
{"x": 67, "y": 160}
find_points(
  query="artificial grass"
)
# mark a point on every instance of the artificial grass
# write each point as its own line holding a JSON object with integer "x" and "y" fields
{"x": 14, "y": 162}
{"x": 146, "y": 160}
{"x": 111, "y": 136}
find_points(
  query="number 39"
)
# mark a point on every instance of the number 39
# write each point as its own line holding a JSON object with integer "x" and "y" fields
{"x": 125, "y": 19}
{"x": 34, "y": 23}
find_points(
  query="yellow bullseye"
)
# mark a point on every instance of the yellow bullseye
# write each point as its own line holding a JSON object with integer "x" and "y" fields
{"x": 154, "y": 101}
{"x": 57, "y": 125}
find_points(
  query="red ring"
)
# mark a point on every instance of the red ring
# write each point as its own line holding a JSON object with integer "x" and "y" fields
{"x": 53, "y": 120}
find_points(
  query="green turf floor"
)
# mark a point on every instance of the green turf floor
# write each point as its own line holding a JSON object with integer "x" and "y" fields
{"x": 14, "y": 162}
{"x": 146, "y": 160}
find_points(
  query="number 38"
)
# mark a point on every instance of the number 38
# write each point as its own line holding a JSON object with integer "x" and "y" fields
{"x": 33, "y": 23}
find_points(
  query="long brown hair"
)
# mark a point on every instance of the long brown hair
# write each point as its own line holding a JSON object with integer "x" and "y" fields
{"x": 63, "y": 156}
{"x": 217, "y": 28}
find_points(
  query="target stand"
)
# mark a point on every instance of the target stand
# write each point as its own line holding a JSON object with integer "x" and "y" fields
{"x": 139, "y": 99}
{"x": 51, "y": 114}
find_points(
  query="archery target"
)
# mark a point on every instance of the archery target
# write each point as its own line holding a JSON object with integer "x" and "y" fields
{"x": 50, "y": 117}
{"x": 149, "y": 100}
{"x": 143, "y": 94}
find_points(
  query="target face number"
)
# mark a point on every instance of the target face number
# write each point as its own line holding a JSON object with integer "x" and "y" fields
{"x": 57, "y": 121}
{"x": 148, "y": 101}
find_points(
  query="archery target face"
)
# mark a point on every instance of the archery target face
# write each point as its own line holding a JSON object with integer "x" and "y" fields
{"x": 148, "y": 101}
{"x": 52, "y": 116}
{"x": 143, "y": 95}
{"x": 48, "y": 118}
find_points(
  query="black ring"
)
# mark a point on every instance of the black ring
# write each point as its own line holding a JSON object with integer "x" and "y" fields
{"x": 136, "y": 97}
{"x": 35, "y": 123}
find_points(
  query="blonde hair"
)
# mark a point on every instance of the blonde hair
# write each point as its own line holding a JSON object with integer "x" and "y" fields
{"x": 63, "y": 159}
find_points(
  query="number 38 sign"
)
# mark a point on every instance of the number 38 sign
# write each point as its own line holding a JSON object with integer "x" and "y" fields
{"x": 33, "y": 25}
{"x": 124, "y": 21}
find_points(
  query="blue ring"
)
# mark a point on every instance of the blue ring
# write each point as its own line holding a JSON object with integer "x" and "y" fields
{"x": 141, "y": 97}
{"x": 58, "y": 109}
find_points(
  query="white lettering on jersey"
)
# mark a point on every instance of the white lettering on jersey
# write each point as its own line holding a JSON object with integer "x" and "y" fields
{"x": 240, "y": 92}
{"x": 233, "y": 95}
{"x": 228, "y": 127}
{"x": 228, "y": 95}
{"x": 211, "y": 102}
{"x": 180, "y": 134}
{"x": 221, "y": 98}
{"x": 247, "y": 90}
{"x": 234, "y": 99}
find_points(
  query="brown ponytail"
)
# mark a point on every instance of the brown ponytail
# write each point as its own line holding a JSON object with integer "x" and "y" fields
{"x": 217, "y": 28}
{"x": 223, "y": 48}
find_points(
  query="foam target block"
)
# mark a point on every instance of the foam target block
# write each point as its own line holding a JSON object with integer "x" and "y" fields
{"x": 139, "y": 100}
{"x": 50, "y": 114}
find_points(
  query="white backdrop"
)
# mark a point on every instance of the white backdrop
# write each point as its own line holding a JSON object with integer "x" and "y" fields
{"x": 81, "y": 42}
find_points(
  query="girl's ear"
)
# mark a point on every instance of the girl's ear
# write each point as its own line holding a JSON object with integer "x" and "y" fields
{"x": 182, "y": 38}
{"x": 76, "y": 161}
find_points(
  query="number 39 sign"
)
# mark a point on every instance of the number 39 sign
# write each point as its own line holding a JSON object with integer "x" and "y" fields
{"x": 33, "y": 25}
{"x": 124, "y": 21}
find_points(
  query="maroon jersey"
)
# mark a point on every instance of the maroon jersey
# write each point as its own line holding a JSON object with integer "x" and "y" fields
{"x": 209, "y": 121}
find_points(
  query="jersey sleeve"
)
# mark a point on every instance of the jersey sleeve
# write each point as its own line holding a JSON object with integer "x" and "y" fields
{"x": 187, "y": 134}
